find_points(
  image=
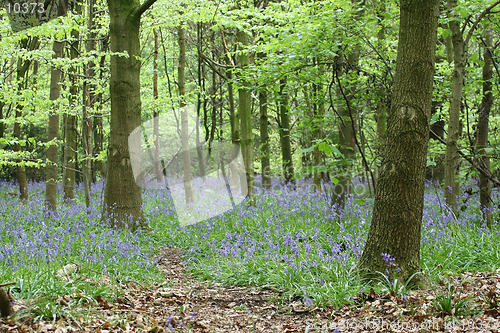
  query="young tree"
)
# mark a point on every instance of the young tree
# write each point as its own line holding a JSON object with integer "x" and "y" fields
{"x": 53, "y": 131}
{"x": 122, "y": 195}
{"x": 399, "y": 198}
{"x": 451, "y": 157}
{"x": 284, "y": 131}
{"x": 245, "y": 114}
{"x": 181, "y": 80}
{"x": 70, "y": 122}
{"x": 21, "y": 72}
{"x": 482, "y": 128}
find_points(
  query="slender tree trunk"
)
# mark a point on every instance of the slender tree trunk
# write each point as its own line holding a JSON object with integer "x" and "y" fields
{"x": 98, "y": 131}
{"x": 29, "y": 44}
{"x": 156, "y": 120}
{"x": 186, "y": 158}
{"x": 122, "y": 195}
{"x": 482, "y": 128}
{"x": 20, "y": 168}
{"x": 234, "y": 119}
{"x": 318, "y": 129}
{"x": 399, "y": 199}
{"x": 199, "y": 151}
{"x": 346, "y": 144}
{"x": 286, "y": 146}
{"x": 70, "y": 125}
{"x": 53, "y": 132}
{"x": 381, "y": 114}
{"x": 451, "y": 157}
{"x": 264, "y": 138}
{"x": 245, "y": 114}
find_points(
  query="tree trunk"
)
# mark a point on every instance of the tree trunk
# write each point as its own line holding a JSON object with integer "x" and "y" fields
{"x": 21, "y": 73}
{"x": 70, "y": 127}
{"x": 245, "y": 115}
{"x": 482, "y": 129}
{"x": 53, "y": 132}
{"x": 122, "y": 195}
{"x": 451, "y": 157}
{"x": 264, "y": 138}
{"x": 234, "y": 119}
{"x": 186, "y": 158}
{"x": 381, "y": 114}
{"x": 346, "y": 141}
{"x": 199, "y": 151}
{"x": 5, "y": 305}
{"x": 399, "y": 199}
{"x": 318, "y": 128}
{"x": 286, "y": 146}
{"x": 156, "y": 120}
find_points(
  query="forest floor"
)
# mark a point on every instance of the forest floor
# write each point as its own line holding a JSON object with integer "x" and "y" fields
{"x": 183, "y": 304}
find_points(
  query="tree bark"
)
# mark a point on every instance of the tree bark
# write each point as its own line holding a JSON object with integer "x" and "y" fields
{"x": 156, "y": 120}
{"x": 381, "y": 114}
{"x": 234, "y": 119}
{"x": 53, "y": 132}
{"x": 452, "y": 157}
{"x": 284, "y": 130}
{"x": 122, "y": 195}
{"x": 317, "y": 129}
{"x": 482, "y": 129}
{"x": 245, "y": 115}
{"x": 398, "y": 208}
{"x": 5, "y": 305}
{"x": 346, "y": 140}
{"x": 264, "y": 135}
{"x": 21, "y": 73}
{"x": 264, "y": 138}
{"x": 70, "y": 125}
{"x": 186, "y": 158}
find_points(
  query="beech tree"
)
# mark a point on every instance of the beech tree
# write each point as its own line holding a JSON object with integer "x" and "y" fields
{"x": 122, "y": 195}
{"x": 399, "y": 198}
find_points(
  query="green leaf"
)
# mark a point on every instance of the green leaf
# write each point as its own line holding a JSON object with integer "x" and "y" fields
{"x": 446, "y": 33}
{"x": 360, "y": 201}
{"x": 325, "y": 147}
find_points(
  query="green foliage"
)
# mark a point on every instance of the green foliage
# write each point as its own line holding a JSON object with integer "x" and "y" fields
{"x": 451, "y": 302}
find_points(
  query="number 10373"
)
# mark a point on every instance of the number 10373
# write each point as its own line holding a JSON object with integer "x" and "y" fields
{"x": 14, "y": 7}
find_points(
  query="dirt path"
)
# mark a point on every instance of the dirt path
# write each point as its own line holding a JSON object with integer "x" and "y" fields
{"x": 183, "y": 304}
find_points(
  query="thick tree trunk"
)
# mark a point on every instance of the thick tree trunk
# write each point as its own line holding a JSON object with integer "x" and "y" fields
{"x": 245, "y": 115}
{"x": 284, "y": 130}
{"x": 452, "y": 157}
{"x": 186, "y": 158}
{"x": 122, "y": 195}
{"x": 398, "y": 208}
{"x": 482, "y": 129}
{"x": 53, "y": 132}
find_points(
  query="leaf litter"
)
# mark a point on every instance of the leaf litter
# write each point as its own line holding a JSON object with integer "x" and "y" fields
{"x": 184, "y": 304}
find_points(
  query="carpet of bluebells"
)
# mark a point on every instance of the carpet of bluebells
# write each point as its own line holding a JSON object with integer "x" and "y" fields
{"x": 288, "y": 239}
